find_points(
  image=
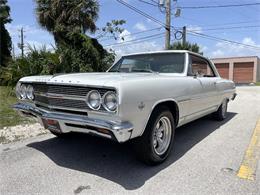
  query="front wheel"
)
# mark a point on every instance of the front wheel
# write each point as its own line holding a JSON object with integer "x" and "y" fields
{"x": 154, "y": 146}
{"x": 60, "y": 135}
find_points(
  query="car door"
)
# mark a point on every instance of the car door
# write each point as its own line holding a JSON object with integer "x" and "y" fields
{"x": 204, "y": 96}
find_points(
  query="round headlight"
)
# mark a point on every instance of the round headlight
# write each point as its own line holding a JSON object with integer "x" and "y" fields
{"x": 110, "y": 101}
{"x": 18, "y": 90}
{"x": 94, "y": 99}
{"x": 30, "y": 92}
{"x": 23, "y": 91}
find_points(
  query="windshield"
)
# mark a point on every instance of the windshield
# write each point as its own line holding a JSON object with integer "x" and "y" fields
{"x": 161, "y": 62}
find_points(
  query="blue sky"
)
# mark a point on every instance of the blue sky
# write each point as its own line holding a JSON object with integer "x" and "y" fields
{"x": 199, "y": 20}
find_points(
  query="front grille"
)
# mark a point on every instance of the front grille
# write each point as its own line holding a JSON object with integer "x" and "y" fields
{"x": 74, "y": 91}
{"x": 66, "y": 90}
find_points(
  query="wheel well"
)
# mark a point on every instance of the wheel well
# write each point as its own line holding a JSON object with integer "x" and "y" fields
{"x": 173, "y": 107}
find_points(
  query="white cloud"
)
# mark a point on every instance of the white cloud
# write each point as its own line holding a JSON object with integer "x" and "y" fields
{"x": 149, "y": 20}
{"x": 137, "y": 47}
{"x": 133, "y": 47}
{"x": 125, "y": 36}
{"x": 223, "y": 49}
{"x": 249, "y": 41}
{"x": 14, "y": 30}
{"x": 203, "y": 48}
{"x": 217, "y": 53}
{"x": 33, "y": 35}
{"x": 194, "y": 28}
{"x": 140, "y": 26}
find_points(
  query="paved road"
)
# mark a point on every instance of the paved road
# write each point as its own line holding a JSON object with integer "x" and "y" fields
{"x": 206, "y": 157}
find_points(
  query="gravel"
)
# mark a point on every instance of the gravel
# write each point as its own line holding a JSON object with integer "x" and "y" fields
{"x": 19, "y": 132}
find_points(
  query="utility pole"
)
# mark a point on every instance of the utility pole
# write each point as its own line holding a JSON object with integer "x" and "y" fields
{"x": 184, "y": 35}
{"x": 168, "y": 24}
{"x": 21, "y": 44}
{"x": 13, "y": 54}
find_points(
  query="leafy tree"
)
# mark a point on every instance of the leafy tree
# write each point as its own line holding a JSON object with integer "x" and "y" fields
{"x": 5, "y": 39}
{"x": 187, "y": 46}
{"x": 68, "y": 21}
{"x": 112, "y": 28}
{"x": 63, "y": 18}
{"x": 35, "y": 62}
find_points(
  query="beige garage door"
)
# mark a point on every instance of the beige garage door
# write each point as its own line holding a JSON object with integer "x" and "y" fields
{"x": 223, "y": 70}
{"x": 243, "y": 72}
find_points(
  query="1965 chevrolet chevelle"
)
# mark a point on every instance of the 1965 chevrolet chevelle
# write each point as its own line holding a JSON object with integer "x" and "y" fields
{"x": 145, "y": 96}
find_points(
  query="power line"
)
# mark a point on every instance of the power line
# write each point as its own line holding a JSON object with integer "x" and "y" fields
{"x": 219, "y": 6}
{"x": 146, "y": 2}
{"x": 231, "y": 23}
{"x": 227, "y": 28}
{"x": 141, "y": 12}
{"x": 134, "y": 40}
{"x": 223, "y": 40}
{"x": 166, "y": 25}
{"x": 135, "y": 33}
{"x": 190, "y": 32}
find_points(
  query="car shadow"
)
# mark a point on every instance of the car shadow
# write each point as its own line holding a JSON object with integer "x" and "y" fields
{"x": 116, "y": 162}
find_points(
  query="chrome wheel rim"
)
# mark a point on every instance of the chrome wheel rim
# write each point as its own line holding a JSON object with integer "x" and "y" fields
{"x": 162, "y": 135}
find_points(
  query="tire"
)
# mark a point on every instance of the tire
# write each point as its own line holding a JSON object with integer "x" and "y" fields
{"x": 154, "y": 146}
{"x": 59, "y": 135}
{"x": 221, "y": 113}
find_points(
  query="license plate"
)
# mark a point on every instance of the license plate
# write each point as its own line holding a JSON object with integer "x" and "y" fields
{"x": 52, "y": 125}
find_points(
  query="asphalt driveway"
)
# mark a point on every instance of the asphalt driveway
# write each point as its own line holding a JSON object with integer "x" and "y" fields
{"x": 206, "y": 157}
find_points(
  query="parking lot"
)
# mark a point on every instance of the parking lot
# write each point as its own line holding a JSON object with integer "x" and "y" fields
{"x": 206, "y": 158}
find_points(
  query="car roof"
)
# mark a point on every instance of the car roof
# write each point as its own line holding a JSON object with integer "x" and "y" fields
{"x": 164, "y": 51}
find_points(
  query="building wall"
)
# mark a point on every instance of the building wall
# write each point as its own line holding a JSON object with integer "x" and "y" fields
{"x": 258, "y": 70}
{"x": 239, "y": 69}
{"x": 243, "y": 72}
{"x": 223, "y": 69}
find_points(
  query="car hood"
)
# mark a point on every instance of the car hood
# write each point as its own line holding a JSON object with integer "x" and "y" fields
{"x": 95, "y": 79}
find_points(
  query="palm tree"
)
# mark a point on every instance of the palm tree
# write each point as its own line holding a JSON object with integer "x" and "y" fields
{"x": 186, "y": 46}
{"x": 63, "y": 17}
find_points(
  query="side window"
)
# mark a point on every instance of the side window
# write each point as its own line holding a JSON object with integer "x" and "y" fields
{"x": 200, "y": 67}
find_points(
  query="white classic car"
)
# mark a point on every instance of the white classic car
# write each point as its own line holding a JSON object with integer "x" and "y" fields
{"x": 143, "y": 96}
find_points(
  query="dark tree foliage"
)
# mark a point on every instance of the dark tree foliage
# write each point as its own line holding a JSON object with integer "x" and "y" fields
{"x": 187, "y": 46}
{"x": 35, "y": 62}
{"x": 5, "y": 39}
{"x": 62, "y": 18}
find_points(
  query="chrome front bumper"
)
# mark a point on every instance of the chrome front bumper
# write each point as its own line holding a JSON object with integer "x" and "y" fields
{"x": 120, "y": 131}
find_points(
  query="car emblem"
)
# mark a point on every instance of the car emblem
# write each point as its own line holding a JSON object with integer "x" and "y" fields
{"x": 141, "y": 106}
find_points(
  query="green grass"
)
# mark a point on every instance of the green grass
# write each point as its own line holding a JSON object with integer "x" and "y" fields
{"x": 9, "y": 117}
{"x": 257, "y": 83}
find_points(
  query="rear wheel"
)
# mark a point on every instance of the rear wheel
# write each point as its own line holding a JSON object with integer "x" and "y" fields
{"x": 154, "y": 146}
{"x": 221, "y": 113}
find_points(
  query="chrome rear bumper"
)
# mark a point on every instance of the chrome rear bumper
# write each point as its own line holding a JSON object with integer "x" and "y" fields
{"x": 120, "y": 131}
